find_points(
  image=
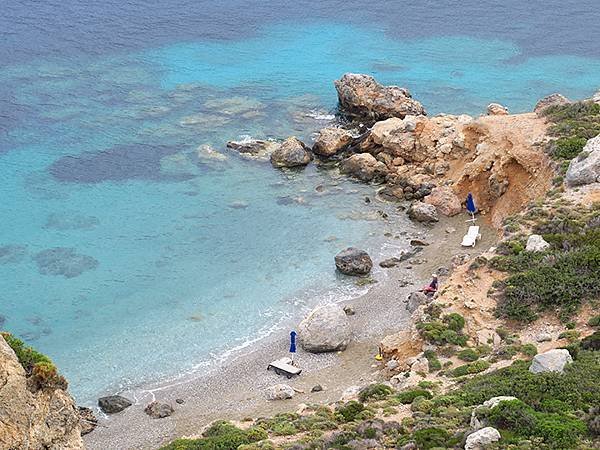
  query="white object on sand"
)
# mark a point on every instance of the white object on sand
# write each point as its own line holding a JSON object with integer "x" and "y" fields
{"x": 284, "y": 366}
{"x": 471, "y": 237}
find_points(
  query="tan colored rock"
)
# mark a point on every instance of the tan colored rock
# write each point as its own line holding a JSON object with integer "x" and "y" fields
{"x": 330, "y": 141}
{"x": 45, "y": 419}
{"x": 445, "y": 201}
{"x": 291, "y": 153}
{"x": 496, "y": 109}
{"x": 550, "y": 100}
{"x": 401, "y": 346}
{"x": 363, "y": 166}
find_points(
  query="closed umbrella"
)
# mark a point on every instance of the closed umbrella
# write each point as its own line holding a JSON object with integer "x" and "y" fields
{"x": 293, "y": 344}
{"x": 471, "y": 206}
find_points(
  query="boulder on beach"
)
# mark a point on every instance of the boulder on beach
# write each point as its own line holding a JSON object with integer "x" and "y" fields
{"x": 330, "y": 141}
{"x": 158, "y": 410}
{"x": 362, "y": 97}
{"x": 551, "y": 361}
{"x": 423, "y": 212}
{"x": 279, "y": 392}
{"x": 585, "y": 168}
{"x": 291, "y": 153}
{"x": 363, "y": 166}
{"x": 445, "y": 200}
{"x": 414, "y": 300}
{"x": 390, "y": 262}
{"x": 550, "y": 100}
{"x": 113, "y": 404}
{"x": 325, "y": 329}
{"x": 353, "y": 261}
{"x": 496, "y": 109}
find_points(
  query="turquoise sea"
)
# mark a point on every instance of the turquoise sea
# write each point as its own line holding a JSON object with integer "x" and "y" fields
{"x": 125, "y": 254}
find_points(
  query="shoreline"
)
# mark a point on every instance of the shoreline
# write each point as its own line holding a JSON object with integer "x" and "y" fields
{"x": 233, "y": 389}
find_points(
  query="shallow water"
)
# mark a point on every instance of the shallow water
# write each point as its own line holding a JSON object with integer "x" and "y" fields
{"x": 126, "y": 255}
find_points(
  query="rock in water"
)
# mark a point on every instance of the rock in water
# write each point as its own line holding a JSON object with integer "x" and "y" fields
{"x": 496, "y": 109}
{"x": 330, "y": 141}
{"x": 585, "y": 169}
{"x": 44, "y": 419}
{"x": 482, "y": 438}
{"x": 363, "y": 166}
{"x": 158, "y": 410}
{"x": 445, "y": 200}
{"x": 550, "y": 100}
{"x": 551, "y": 361}
{"x": 254, "y": 148}
{"x": 279, "y": 392}
{"x": 353, "y": 261}
{"x": 363, "y": 98}
{"x": 423, "y": 212}
{"x": 536, "y": 243}
{"x": 113, "y": 404}
{"x": 291, "y": 153}
{"x": 325, "y": 329}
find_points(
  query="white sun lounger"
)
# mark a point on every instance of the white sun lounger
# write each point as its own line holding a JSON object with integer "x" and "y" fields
{"x": 471, "y": 237}
{"x": 284, "y": 366}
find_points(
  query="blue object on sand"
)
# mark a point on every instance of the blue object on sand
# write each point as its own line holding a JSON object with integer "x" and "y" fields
{"x": 471, "y": 204}
{"x": 293, "y": 342}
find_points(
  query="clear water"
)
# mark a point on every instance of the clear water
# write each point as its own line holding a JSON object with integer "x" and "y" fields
{"x": 124, "y": 255}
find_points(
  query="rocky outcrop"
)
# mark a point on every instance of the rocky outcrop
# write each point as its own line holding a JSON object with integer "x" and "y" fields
{"x": 496, "y": 109}
{"x": 550, "y": 100}
{"x": 113, "y": 404}
{"x": 364, "y": 167}
{"x": 254, "y": 148}
{"x": 325, "y": 329}
{"x": 445, "y": 201}
{"x": 330, "y": 141}
{"x": 414, "y": 300}
{"x": 34, "y": 419}
{"x": 551, "y": 361}
{"x": 279, "y": 392}
{"x": 480, "y": 439}
{"x": 158, "y": 410}
{"x": 423, "y": 212}
{"x": 291, "y": 153}
{"x": 585, "y": 169}
{"x": 363, "y": 98}
{"x": 401, "y": 345}
{"x": 353, "y": 261}
{"x": 536, "y": 243}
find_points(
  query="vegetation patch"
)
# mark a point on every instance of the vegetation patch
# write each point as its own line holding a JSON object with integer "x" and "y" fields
{"x": 446, "y": 331}
{"x": 376, "y": 391}
{"x": 220, "y": 435}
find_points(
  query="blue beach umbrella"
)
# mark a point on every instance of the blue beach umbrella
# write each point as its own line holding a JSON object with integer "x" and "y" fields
{"x": 471, "y": 205}
{"x": 293, "y": 344}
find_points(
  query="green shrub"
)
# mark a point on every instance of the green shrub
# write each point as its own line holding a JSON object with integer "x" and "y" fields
{"x": 407, "y": 397}
{"x": 468, "y": 369}
{"x": 513, "y": 415}
{"x": 468, "y": 354}
{"x": 220, "y": 435}
{"x": 529, "y": 350}
{"x": 559, "y": 431}
{"x": 455, "y": 321}
{"x": 349, "y": 411}
{"x": 591, "y": 342}
{"x": 570, "y": 335}
{"x": 568, "y": 147}
{"x": 594, "y": 321}
{"x": 421, "y": 404}
{"x": 374, "y": 392}
{"x": 428, "y": 438}
{"x": 432, "y": 361}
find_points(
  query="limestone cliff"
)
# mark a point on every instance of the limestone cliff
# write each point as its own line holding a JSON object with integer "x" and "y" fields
{"x": 31, "y": 418}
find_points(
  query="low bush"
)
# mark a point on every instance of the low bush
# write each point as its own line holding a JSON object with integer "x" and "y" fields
{"x": 349, "y": 411}
{"x": 220, "y": 435}
{"x": 407, "y": 397}
{"x": 448, "y": 331}
{"x": 376, "y": 391}
{"x": 591, "y": 342}
{"x": 472, "y": 368}
{"x": 468, "y": 354}
{"x": 428, "y": 438}
{"x": 594, "y": 321}
{"x": 432, "y": 361}
{"x": 454, "y": 321}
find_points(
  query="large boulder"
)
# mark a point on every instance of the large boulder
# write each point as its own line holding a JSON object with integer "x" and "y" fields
{"x": 158, "y": 410}
{"x": 353, "y": 261}
{"x": 330, "y": 141}
{"x": 550, "y": 100}
{"x": 279, "y": 392}
{"x": 536, "y": 243}
{"x": 480, "y": 439}
{"x": 496, "y": 109}
{"x": 113, "y": 404}
{"x": 414, "y": 300}
{"x": 423, "y": 212}
{"x": 363, "y": 166}
{"x": 585, "y": 169}
{"x": 551, "y": 361}
{"x": 291, "y": 153}
{"x": 34, "y": 418}
{"x": 363, "y": 98}
{"x": 325, "y": 329}
{"x": 254, "y": 148}
{"x": 445, "y": 201}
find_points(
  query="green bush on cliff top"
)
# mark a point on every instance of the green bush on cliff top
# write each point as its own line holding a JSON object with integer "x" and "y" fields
{"x": 220, "y": 435}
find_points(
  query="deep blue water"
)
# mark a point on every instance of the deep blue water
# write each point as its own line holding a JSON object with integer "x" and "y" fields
{"x": 126, "y": 255}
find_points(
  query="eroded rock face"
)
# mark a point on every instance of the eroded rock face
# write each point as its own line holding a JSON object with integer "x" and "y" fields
{"x": 325, "y": 329}
{"x": 551, "y": 361}
{"x": 330, "y": 141}
{"x": 550, "y": 100}
{"x": 364, "y": 167}
{"x": 445, "y": 201}
{"x": 423, "y": 212}
{"x": 291, "y": 153}
{"x": 353, "y": 261}
{"x": 363, "y": 98}
{"x": 585, "y": 169}
{"x": 45, "y": 419}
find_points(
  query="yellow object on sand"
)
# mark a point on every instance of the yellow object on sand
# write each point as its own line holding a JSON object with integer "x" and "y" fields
{"x": 378, "y": 357}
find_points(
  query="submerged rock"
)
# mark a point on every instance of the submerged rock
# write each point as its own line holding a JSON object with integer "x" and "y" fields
{"x": 550, "y": 100}
{"x": 158, "y": 410}
{"x": 363, "y": 166}
{"x": 254, "y": 148}
{"x": 325, "y": 329}
{"x": 206, "y": 152}
{"x": 291, "y": 153}
{"x": 330, "y": 141}
{"x": 353, "y": 261}
{"x": 113, "y": 404}
{"x": 551, "y": 361}
{"x": 12, "y": 254}
{"x": 363, "y": 98}
{"x": 423, "y": 212}
{"x": 585, "y": 168}
{"x": 279, "y": 392}
{"x": 63, "y": 261}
